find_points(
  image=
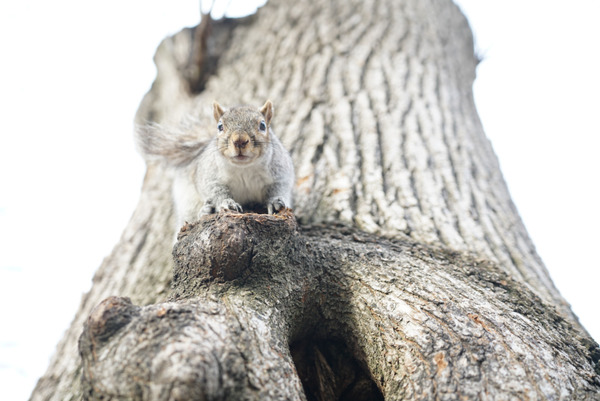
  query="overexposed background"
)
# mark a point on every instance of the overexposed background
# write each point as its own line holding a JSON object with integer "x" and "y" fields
{"x": 72, "y": 75}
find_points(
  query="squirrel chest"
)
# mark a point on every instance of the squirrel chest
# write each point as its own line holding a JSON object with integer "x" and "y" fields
{"x": 248, "y": 184}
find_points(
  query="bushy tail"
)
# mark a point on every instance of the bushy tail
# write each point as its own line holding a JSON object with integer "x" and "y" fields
{"x": 175, "y": 147}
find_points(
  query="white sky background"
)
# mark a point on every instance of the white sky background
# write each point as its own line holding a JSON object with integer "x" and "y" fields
{"x": 72, "y": 75}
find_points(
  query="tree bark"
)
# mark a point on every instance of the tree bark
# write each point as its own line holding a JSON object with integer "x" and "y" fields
{"x": 404, "y": 271}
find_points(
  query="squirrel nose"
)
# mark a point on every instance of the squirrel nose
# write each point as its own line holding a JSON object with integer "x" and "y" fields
{"x": 240, "y": 143}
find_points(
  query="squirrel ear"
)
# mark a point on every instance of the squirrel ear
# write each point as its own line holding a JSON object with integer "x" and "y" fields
{"x": 267, "y": 111}
{"x": 218, "y": 111}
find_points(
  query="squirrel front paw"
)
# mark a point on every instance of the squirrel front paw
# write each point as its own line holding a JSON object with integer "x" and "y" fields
{"x": 230, "y": 204}
{"x": 208, "y": 208}
{"x": 275, "y": 204}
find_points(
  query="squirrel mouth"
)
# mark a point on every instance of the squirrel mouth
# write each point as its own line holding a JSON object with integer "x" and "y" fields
{"x": 241, "y": 158}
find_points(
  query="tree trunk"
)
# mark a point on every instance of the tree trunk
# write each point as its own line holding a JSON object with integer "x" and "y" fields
{"x": 409, "y": 274}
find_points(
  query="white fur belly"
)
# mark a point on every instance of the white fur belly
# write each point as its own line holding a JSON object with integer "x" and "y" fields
{"x": 249, "y": 185}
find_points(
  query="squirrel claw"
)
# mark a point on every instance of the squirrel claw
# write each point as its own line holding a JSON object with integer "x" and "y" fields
{"x": 206, "y": 209}
{"x": 275, "y": 204}
{"x": 230, "y": 204}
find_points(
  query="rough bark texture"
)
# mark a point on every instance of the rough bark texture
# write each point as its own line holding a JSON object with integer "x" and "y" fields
{"x": 410, "y": 276}
{"x": 255, "y": 300}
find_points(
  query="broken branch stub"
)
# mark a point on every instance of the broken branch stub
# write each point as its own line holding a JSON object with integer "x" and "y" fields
{"x": 220, "y": 248}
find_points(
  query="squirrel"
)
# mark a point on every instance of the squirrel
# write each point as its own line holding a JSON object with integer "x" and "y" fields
{"x": 243, "y": 165}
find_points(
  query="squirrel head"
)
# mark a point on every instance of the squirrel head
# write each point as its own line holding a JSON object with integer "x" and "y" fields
{"x": 243, "y": 132}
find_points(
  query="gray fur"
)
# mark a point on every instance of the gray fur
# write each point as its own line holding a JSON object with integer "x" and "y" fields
{"x": 177, "y": 148}
{"x": 208, "y": 176}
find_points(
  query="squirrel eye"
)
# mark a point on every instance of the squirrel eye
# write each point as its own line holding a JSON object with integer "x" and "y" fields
{"x": 262, "y": 126}
{"x": 220, "y": 126}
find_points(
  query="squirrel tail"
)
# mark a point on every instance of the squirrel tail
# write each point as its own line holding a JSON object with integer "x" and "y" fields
{"x": 156, "y": 142}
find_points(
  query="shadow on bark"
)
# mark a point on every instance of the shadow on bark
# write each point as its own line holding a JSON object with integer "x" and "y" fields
{"x": 329, "y": 372}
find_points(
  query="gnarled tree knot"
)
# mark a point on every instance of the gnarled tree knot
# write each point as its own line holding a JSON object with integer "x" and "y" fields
{"x": 220, "y": 247}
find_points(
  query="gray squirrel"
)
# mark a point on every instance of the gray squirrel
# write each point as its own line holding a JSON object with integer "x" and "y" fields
{"x": 244, "y": 164}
